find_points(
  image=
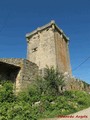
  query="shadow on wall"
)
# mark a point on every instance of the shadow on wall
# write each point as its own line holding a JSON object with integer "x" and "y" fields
{"x": 8, "y": 72}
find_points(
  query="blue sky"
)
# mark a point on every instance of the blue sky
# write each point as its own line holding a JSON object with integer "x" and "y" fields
{"x": 18, "y": 17}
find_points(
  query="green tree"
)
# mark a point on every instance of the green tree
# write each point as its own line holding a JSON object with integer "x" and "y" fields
{"x": 51, "y": 82}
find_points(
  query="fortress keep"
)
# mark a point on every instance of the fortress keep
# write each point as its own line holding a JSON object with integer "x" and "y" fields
{"x": 48, "y": 45}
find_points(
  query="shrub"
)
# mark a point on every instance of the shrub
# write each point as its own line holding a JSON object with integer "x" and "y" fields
{"x": 46, "y": 92}
{"x": 6, "y": 92}
{"x": 49, "y": 84}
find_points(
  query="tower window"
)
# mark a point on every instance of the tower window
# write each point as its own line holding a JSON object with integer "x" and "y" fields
{"x": 34, "y": 49}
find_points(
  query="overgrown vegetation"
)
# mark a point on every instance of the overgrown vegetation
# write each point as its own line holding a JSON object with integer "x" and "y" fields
{"x": 43, "y": 99}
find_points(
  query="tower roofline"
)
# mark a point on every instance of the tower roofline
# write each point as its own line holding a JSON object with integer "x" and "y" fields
{"x": 28, "y": 35}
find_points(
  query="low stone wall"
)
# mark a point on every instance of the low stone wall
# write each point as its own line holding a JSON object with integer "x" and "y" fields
{"x": 26, "y": 73}
{"x": 73, "y": 83}
{"x": 22, "y": 72}
{"x": 29, "y": 73}
{"x": 13, "y": 61}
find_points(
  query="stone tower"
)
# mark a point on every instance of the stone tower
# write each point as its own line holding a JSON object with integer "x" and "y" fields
{"x": 48, "y": 45}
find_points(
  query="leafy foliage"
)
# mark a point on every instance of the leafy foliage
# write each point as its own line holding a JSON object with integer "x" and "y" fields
{"x": 40, "y": 100}
{"x": 51, "y": 82}
{"x": 6, "y": 92}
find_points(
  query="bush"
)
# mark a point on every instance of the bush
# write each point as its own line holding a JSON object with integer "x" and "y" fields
{"x": 6, "y": 92}
{"x": 45, "y": 91}
{"x": 50, "y": 83}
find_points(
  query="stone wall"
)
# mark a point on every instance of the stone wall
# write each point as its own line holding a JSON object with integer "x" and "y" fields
{"x": 13, "y": 61}
{"x": 29, "y": 73}
{"x": 72, "y": 83}
{"x": 22, "y": 73}
{"x": 41, "y": 48}
{"x": 62, "y": 56}
{"x": 22, "y": 70}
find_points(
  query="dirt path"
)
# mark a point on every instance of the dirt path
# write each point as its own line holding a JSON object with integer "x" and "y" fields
{"x": 81, "y": 115}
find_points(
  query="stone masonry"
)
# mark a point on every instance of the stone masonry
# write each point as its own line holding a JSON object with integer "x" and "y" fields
{"x": 72, "y": 83}
{"x": 20, "y": 71}
{"x": 48, "y": 45}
